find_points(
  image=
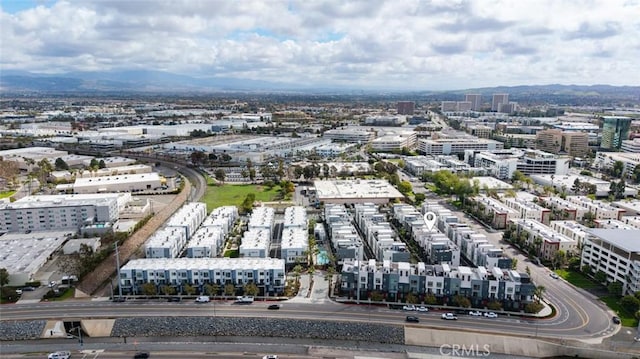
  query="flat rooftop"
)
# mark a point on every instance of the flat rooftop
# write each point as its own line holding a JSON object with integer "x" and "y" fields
{"x": 355, "y": 189}
{"x": 628, "y": 240}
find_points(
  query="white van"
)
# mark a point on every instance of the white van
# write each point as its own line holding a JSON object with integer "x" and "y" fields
{"x": 203, "y": 299}
{"x": 59, "y": 355}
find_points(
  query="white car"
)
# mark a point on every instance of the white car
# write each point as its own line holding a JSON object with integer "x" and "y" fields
{"x": 554, "y": 276}
{"x": 59, "y": 355}
{"x": 449, "y": 316}
{"x": 422, "y": 309}
{"x": 491, "y": 315}
{"x": 19, "y": 291}
{"x": 475, "y": 313}
{"x": 409, "y": 307}
{"x": 52, "y": 284}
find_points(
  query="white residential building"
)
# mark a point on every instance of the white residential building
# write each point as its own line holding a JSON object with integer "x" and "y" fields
{"x": 571, "y": 229}
{"x": 550, "y": 240}
{"x": 615, "y": 252}
{"x": 167, "y": 242}
{"x": 262, "y": 218}
{"x": 294, "y": 245}
{"x": 222, "y": 218}
{"x": 601, "y": 209}
{"x": 255, "y": 243}
{"x": 206, "y": 242}
{"x": 188, "y": 218}
{"x": 527, "y": 209}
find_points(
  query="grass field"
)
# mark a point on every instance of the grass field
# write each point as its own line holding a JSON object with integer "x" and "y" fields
{"x": 626, "y": 318}
{"x": 577, "y": 279}
{"x": 6, "y": 194}
{"x": 233, "y": 195}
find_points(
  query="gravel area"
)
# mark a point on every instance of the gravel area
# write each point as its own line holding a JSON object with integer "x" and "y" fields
{"x": 21, "y": 330}
{"x": 226, "y": 327}
{"x": 257, "y": 327}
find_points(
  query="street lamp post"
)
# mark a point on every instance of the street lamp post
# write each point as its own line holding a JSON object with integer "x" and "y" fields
{"x": 118, "y": 270}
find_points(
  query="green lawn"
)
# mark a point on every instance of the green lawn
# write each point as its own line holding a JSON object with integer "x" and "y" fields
{"x": 577, "y": 279}
{"x": 233, "y": 195}
{"x": 6, "y": 194}
{"x": 626, "y": 318}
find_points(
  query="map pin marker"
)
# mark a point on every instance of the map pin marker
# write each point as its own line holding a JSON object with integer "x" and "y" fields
{"x": 430, "y": 220}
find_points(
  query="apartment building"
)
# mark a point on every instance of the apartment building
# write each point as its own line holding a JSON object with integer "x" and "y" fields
{"x": 61, "y": 212}
{"x": 222, "y": 218}
{"x": 379, "y": 235}
{"x": 615, "y": 224}
{"x": 556, "y": 141}
{"x": 571, "y": 229}
{"x": 188, "y": 218}
{"x": 397, "y": 279}
{"x": 539, "y": 162}
{"x": 616, "y": 252}
{"x": 405, "y": 107}
{"x": 476, "y": 101}
{"x": 605, "y": 160}
{"x": 527, "y": 209}
{"x": 632, "y": 146}
{"x": 563, "y": 209}
{"x": 267, "y": 273}
{"x": 345, "y": 240}
{"x": 497, "y": 214}
{"x": 262, "y": 218}
{"x": 549, "y": 141}
{"x": 166, "y": 242}
{"x": 447, "y": 146}
{"x": 206, "y": 242}
{"x": 546, "y": 241}
{"x": 499, "y": 99}
{"x": 600, "y": 209}
{"x": 255, "y": 243}
{"x": 294, "y": 245}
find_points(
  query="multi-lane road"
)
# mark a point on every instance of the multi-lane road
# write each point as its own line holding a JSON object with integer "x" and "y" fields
{"x": 575, "y": 320}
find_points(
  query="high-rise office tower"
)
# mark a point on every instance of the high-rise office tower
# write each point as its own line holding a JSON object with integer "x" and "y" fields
{"x": 476, "y": 101}
{"x": 498, "y": 100}
{"x": 405, "y": 107}
{"x": 615, "y": 129}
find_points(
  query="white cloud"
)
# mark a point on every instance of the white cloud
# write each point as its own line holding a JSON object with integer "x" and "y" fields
{"x": 412, "y": 44}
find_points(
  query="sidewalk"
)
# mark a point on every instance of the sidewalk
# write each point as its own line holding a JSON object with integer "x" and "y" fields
{"x": 316, "y": 293}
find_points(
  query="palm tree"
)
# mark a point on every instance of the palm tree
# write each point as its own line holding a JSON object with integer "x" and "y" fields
{"x": 331, "y": 271}
{"x": 539, "y": 292}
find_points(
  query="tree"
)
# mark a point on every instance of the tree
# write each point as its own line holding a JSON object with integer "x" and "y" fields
{"x": 244, "y": 173}
{"x": 461, "y": 301}
{"x": 430, "y": 299}
{"x": 4, "y": 277}
{"x": 419, "y": 197}
{"x": 618, "y": 169}
{"x": 636, "y": 174}
{"x": 559, "y": 259}
{"x": 251, "y": 289}
{"x": 247, "y": 204}
{"x": 229, "y": 289}
{"x": 494, "y": 305}
{"x": 297, "y": 171}
{"x": 615, "y": 288}
{"x": 600, "y": 277}
{"x": 539, "y": 292}
{"x": 211, "y": 289}
{"x": 198, "y": 157}
{"x": 514, "y": 263}
{"x": 412, "y": 298}
{"x": 149, "y": 289}
{"x": 61, "y": 165}
{"x": 226, "y": 157}
{"x": 405, "y": 187}
{"x": 168, "y": 290}
{"x": 630, "y": 303}
{"x": 102, "y": 164}
{"x": 189, "y": 289}
{"x": 220, "y": 175}
{"x": 252, "y": 174}
{"x": 576, "y": 188}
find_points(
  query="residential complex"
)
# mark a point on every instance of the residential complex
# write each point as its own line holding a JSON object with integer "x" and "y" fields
{"x": 457, "y": 145}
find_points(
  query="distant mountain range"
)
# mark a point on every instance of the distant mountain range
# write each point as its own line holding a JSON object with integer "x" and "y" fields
{"x": 164, "y": 82}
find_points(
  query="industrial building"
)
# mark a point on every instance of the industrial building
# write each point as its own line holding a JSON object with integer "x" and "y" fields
{"x": 356, "y": 191}
{"x": 138, "y": 182}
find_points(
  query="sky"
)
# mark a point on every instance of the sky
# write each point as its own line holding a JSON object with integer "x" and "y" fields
{"x": 397, "y": 44}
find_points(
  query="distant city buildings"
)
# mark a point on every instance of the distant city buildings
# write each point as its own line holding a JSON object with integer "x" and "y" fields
{"x": 475, "y": 100}
{"x": 499, "y": 99}
{"x": 405, "y": 108}
{"x": 615, "y": 129}
{"x": 503, "y": 163}
{"x": 556, "y": 141}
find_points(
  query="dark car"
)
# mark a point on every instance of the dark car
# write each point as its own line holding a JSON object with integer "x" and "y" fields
{"x": 141, "y": 355}
{"x": 412, "y": 319}
{"x": 28, "y": 289}
{"x": 616, "y": 320}
{"x": 174, "y": 299}
{"x": 119, "y": 299}
{"x": 274, "y": 307}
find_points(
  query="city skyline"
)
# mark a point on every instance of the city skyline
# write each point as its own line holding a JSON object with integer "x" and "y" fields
{"x": 410, "y": 45}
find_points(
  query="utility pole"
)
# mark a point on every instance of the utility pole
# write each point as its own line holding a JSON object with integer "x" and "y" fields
{"x": 118, "y": 270}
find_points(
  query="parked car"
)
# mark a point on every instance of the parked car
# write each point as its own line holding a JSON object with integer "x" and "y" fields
{"x": 174, "y": 299}
{"x": 491, "y": 315}
{"x": 274, "y": 307}
{"x": 119, "y": 299}
{"x": 141, "y": 355}
{"x": 422, "y": 308}
{"x": 18, "y": 291}
{"x": 449, "y": 316}
{"x": 409, "y": 307}
{"x": 270, "y": 356}
{"x": 52, "y": 284}
{"x": 412, "y": 319}
{"x": 59, "y": 355}
{"x": 616, "y": 320}
{"x": 28, "y": 289}
{"x": 475, "y": 313}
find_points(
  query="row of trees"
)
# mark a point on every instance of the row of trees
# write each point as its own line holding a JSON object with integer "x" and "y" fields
{"x": 150, "y": 289}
